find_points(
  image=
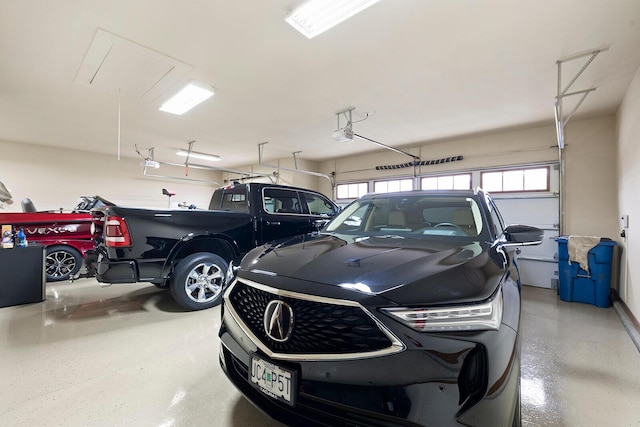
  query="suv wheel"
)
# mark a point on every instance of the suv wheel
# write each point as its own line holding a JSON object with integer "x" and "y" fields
{"x": 198, "y": 280}
{"x": 62, "y": 262}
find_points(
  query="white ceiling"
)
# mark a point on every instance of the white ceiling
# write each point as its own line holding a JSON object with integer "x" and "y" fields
{"x": 422, "y": 70}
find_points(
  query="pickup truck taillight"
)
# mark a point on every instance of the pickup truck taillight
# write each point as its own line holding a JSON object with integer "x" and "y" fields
{"x": 116, "y": 233}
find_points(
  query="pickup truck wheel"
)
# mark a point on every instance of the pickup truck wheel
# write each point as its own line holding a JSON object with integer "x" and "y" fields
{"x": 62, "y": 262}
{"x": 197, "y": 281}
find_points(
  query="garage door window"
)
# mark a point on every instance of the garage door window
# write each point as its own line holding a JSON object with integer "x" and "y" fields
{"x": 352, "y": 190}
{"x": 516, "y": 180}
{"x": 446, "y": 182}
{"x": 393, "y": 185}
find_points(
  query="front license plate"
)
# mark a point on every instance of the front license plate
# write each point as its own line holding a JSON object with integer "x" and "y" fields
{"x": 273, "y": 380}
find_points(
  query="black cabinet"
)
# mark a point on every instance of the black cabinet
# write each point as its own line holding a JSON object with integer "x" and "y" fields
{"x": 22, "y": 278}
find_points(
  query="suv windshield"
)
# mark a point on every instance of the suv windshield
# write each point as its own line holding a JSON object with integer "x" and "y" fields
{"x": 416, "y": 216}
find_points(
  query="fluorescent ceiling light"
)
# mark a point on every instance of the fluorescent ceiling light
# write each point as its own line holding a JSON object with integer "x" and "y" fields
{"x": 317, "y": 16}
{"x": 196, "y": 155}
{"x": 190, "y": 96}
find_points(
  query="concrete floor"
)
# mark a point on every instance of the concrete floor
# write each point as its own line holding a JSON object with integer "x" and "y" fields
{"x": 128, "y": 355}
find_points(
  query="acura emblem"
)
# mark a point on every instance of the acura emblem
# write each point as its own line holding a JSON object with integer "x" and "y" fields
{"x": 278, "y": 320}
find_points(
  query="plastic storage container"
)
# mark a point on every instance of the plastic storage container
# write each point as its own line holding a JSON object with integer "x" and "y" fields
{"x": 576, "y": 284}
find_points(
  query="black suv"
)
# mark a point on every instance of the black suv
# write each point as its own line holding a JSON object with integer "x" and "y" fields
{"x": 403, "y": 310}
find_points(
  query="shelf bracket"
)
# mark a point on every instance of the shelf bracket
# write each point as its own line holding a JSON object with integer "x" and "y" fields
{"x": 561, "y": 121}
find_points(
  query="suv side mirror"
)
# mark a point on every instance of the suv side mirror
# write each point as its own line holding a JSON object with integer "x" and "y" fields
{"x": 514, "y": 235}
{"x": 517, "y": 235}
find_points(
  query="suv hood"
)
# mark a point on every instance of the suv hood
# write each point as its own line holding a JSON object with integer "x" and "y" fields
{"x": 403, "y": 270}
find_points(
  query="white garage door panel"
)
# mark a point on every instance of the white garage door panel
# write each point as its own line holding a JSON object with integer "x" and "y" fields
{"x": 538, "y": 264}
{"x": 542, "y": 274}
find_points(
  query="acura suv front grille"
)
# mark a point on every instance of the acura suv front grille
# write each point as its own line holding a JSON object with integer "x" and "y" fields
{"x": 319, "y": 327}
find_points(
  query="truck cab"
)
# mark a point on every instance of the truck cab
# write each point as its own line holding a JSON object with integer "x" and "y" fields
{"x": 283, "y": 211}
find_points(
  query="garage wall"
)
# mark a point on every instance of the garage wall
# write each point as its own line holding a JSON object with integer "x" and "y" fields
{"x": 628, "y": 129}
{"x": 590, "y": 198}
{"x": 54, "y": 178}
{"x": 505, "y": 148}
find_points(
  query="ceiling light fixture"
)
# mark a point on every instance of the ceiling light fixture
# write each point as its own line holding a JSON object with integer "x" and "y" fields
{"x": 343, "y": 135}
{"x": 148, "y": 163}
{"x": 196, "y": 155}
{"x": 190, "y": 96}
{"x": 317, "y": 16}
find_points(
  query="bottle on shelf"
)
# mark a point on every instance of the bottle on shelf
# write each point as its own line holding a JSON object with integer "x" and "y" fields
{"x": 21, "y": 238}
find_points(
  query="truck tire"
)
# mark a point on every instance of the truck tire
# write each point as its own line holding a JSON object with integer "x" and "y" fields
{"x": 198, "y": 280}
{"x": 62, "y": 262}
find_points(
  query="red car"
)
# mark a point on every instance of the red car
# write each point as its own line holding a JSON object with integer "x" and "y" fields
{"x": 67, "y": 236}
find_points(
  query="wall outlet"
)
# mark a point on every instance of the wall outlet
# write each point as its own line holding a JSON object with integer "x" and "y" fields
{"x": 624, "y": 221}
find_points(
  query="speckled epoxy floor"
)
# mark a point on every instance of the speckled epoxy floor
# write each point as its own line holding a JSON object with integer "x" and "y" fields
{"x": 127, "y": 355}
{"x": 579, "y": 365}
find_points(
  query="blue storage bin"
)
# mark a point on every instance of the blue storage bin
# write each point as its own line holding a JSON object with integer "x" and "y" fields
{"x": 576, "y": 284}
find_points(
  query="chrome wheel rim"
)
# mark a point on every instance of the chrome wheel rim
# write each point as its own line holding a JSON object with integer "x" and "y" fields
{"x": 60, "y": 264}
{"x": 204, "y": 282}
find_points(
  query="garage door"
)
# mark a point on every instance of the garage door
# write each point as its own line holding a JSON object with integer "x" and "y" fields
{"x": 538, "y": 264}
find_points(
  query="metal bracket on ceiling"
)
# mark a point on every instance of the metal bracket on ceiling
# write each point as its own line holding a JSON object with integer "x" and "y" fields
{"x": 561, "y": 121}
{"x": 347, "y": 113}
{"x": 243, "y": 174}
{"x": 186, "y": 161}
{"x": 150, "y": 162}
{"x": 348, "y": 117}
{"x": 295, "y": 161}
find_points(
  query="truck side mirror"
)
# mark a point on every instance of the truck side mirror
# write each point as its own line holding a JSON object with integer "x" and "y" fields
{"x": 318, "y": 224}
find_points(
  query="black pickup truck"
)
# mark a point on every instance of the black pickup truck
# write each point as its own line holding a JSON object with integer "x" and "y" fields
{"x": 189, "y": 251}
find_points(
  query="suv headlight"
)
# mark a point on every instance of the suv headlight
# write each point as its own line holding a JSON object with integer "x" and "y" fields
{"x": 472, "y": 317}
